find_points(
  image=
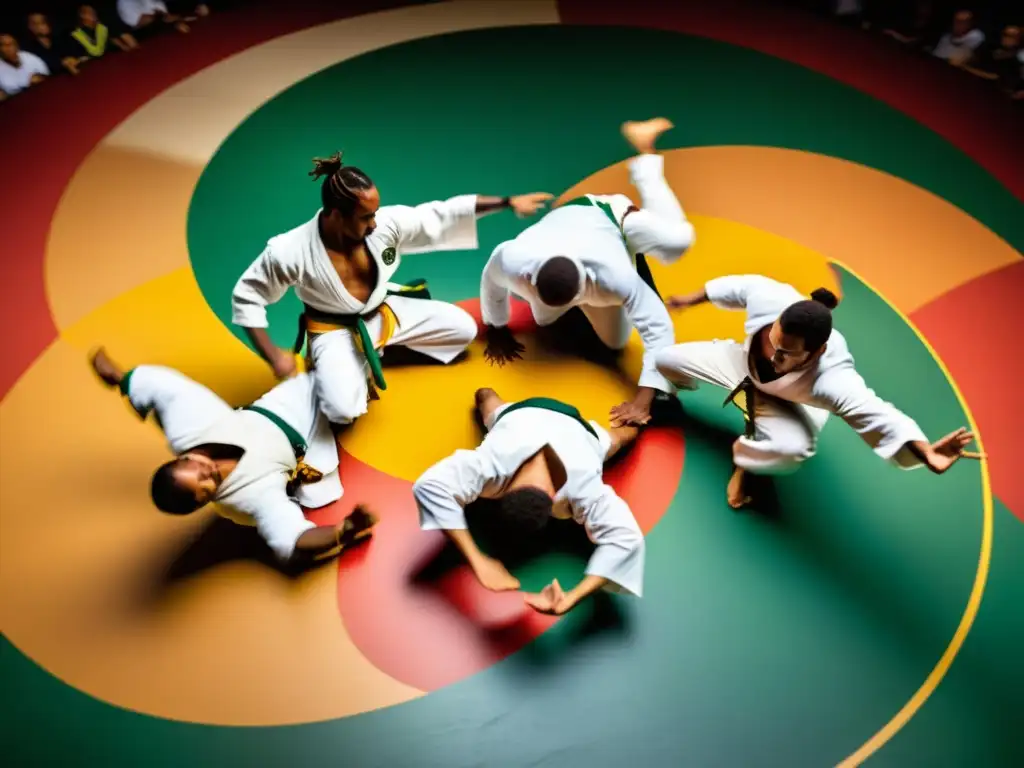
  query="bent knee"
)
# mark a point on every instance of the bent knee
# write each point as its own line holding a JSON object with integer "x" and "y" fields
{"x": 463, "y": 328}
{"x": 670, "y": 362}
{"x": 343, "y": 408}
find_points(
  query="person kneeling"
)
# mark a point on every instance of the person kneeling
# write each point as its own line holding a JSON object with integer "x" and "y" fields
{"x": 540, "y": 459}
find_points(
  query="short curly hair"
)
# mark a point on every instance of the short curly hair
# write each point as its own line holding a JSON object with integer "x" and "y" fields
{"x": 526, "y": 509}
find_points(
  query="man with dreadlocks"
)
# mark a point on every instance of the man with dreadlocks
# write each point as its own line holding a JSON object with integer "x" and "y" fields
{"x": 590, "y": 253}
{"x": 794, "y": 370}
{"x": 260, "y": 462}
{"x": 341, "y": 263}
{"x": 540, "y": 459}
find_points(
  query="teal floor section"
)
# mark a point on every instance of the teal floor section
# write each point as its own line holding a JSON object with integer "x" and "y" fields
{"x": 776, "y": 638}
{"x": 542, "y": 122}
{"x": 781, "y": 638}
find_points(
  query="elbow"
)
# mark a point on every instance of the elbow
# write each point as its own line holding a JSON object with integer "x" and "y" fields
{"x": 675, "y": 242}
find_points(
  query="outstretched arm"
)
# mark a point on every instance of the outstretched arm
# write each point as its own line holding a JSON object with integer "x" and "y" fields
{"x": 892, "y": 434}
{"x": 648, "y": 315}
{"x": 496, "y": 311}
{"x": 441, "y": 494}
{"x": 448, "y": 225}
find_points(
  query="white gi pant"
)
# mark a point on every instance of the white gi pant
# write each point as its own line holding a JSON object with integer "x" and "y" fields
{"x": 187, "y": 410}
{"x": 437, "y": 329}
{"x": 659, "y": 229}
{"x": 786, "y": 433}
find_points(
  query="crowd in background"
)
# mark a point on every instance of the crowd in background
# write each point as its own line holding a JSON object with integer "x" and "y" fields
{"x": 41, "y": 39}
{"x": 50, "y": 38}
{"x": 981, "y": 38}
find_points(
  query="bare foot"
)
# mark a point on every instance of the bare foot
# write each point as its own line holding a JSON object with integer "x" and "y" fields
{"x": 106, "y": 368}
{"x": 735, "y": 492}
{"x": 643, "y": 133}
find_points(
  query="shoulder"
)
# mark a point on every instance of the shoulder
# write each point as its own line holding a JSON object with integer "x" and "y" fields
{"x": 27, "y": 57}
{"x": 295, "y": 239}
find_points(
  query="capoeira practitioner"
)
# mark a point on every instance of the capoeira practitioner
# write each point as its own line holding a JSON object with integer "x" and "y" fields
{"x": 590, "y": 253}
{"x": 261, "y": 461}
{"x": 341, "y": 262}
{"x": 794, "y": 370}
{"x": 542, "y": 460}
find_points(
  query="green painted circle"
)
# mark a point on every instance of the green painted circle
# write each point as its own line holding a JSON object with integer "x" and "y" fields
{"x": 796, "y": 636}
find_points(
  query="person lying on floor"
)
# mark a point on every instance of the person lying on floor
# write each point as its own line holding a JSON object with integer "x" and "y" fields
{"x": 540, "y": 458}
{"x": 261, "y": 461}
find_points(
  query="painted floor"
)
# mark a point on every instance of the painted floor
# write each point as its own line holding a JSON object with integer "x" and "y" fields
{"x": 863, "y": 614}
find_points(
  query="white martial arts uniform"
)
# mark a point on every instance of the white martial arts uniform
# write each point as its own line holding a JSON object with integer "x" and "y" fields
{"x": 612, "y": 294}
{"x": 191, "y": 415}
{"x": 790, "y": 411}
{"x": 446, "y": 488}
{"x": 298, "y": 258}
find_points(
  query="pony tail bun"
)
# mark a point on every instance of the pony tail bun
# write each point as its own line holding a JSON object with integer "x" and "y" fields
{"x": 826, "y": 297}
{"x": 326, "y": 166}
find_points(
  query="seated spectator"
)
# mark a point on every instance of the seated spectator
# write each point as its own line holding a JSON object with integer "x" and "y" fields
{"x": 18, "y": 69}
{"x": 910, "y": 23}
{"x": 1001, "y": 62}
{"x": 91, "y": 36}
{"x": 959, "y": 44}
{"x": 54, "y": 51}
{"x": 146, "y": 16}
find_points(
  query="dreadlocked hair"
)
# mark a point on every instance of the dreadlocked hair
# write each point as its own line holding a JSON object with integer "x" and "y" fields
{"x": 341, "y": 187}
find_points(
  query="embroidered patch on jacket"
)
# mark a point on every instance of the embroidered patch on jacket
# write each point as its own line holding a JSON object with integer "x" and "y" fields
{"x": 388, "y": 257}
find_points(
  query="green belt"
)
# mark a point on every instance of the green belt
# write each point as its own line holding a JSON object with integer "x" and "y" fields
{"x": 417, "y": 289}
{"x": 639, "y": 259}
{"x": 297, "y": 441}
{"x": 549, "y": 404}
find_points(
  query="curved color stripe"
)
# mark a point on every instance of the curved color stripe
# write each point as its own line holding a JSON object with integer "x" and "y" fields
{"x": 140, "y": 178}
{"x": 959, "y": 107}
{"x": 44, "y": 153}
{"x": 124, "y": 590}
{"x": 908, "y": 710}
{"x": 974, "y": 331}
{"x": 915, "y": 247}
{"x": 29, "y": 129}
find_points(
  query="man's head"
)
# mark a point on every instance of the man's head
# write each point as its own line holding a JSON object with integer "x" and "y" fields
{"x": 526, "y": 508}
{"x": 558, "y": 281}
{"x": 528, "y": 501}
{"x": 9, "y": 49}
{"x": 185, "y": 484}
{"x": 801, "y": 333}
{"x": 963, "y": 22}
{"x": 87, "y": 16}
{"x": 349, "y": 198}
{"x": 38, "y": 25}
{"x": 1011, "y": 38}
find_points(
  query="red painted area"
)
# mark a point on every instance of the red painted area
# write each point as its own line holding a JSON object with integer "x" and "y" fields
{"x": 47, "y": 133}
{"x": 520, "y": 321}
{"x": 971, "y": 331}
{"x": 953, "y": 104}
{"x": 431, "y": 634}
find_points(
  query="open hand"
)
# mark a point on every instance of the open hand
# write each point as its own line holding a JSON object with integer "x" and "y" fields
{"x": 630, "y": 413}
{"x": 946, "y": 451}
{"x": 494, "y": 575}
{"x": 502, "y": 347}
{"x": 550, "y": 600}
{"x": 527, "y": 205}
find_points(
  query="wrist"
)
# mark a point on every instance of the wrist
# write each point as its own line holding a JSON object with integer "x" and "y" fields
{"x": 644, "y": 396}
